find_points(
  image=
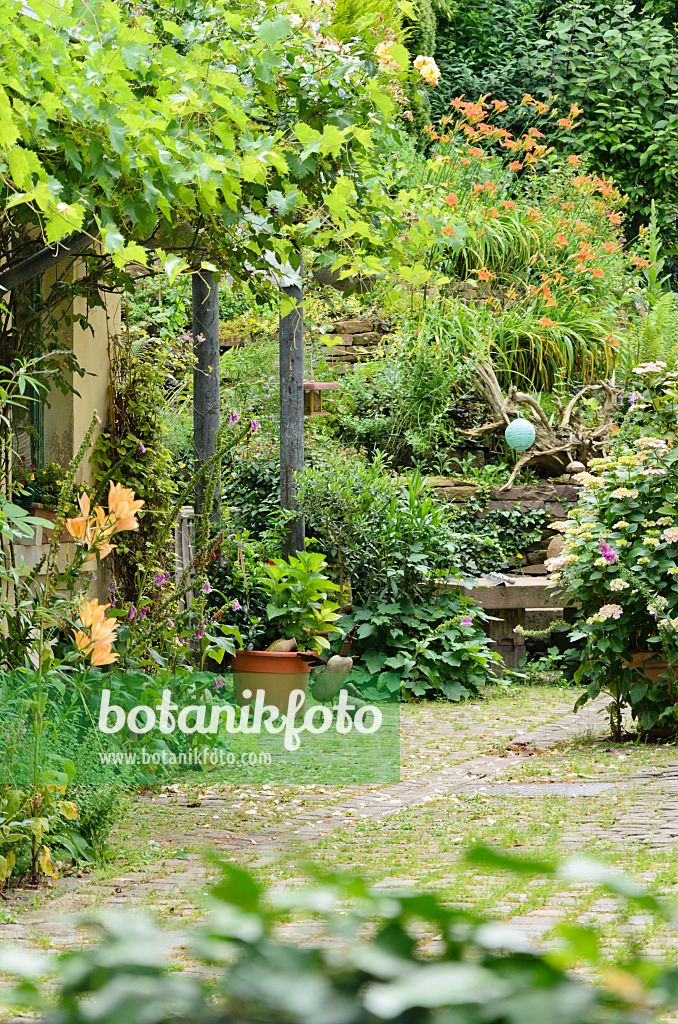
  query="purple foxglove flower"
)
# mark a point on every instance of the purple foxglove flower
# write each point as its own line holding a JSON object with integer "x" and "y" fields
{"x": 200, "y": 632}
{"x": 207, "y": 587}
{"x": 142, "y": 447}
{"x": 254, "y": 426}
{"x": 467, "y": 621}
{"x": 219, "y": 682}
{"x": 131, "y": 613}
{"x": 608, "y": 553}
{"x": 234, "y": 417}
{"x": 236, "y": 606}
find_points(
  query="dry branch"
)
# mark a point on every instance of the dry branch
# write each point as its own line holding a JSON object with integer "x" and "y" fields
{"x": 571, "y": 439}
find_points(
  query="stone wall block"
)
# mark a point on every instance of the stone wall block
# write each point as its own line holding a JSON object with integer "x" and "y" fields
{"x": 352, "y": 327}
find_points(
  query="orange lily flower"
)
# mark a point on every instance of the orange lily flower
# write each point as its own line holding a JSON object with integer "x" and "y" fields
{"x": 123, "y": 507}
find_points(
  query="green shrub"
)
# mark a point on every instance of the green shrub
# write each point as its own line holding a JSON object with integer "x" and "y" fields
{"x": 421, "y": 649}
{"x": 99, "y": 808}
{"x": 409, "y": 404}
{"x": 620, "y": 64}
{"x": 360, "y": 17}
{"x": 619, "y": 560}
{"x": 250, "y": 487}
{"x": 485, "y": 541}
{"x": 133, "y": 451}
{"x": 365, "y": 964}
{"x": 484, "y": 46}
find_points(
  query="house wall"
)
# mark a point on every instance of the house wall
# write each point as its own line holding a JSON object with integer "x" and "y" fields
{"x": 68, "y": 416}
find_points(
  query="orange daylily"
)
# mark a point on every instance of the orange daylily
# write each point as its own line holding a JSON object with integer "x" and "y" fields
{"x": 78, "y": 526}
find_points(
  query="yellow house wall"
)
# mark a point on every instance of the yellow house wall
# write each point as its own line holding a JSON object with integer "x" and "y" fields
{"x": 68, "y": 416}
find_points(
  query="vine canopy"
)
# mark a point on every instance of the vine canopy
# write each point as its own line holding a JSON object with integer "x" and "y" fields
{"x": 213, "y": 137}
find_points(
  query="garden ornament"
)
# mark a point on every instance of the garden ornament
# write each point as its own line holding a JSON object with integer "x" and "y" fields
{"x": 330, "y": 680}
{"x": 520, "y": 435}
{"x": 554, "y": 437}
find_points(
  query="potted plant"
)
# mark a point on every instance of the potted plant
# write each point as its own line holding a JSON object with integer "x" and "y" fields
{"x": 619, "y": 564}
{"x": 23, "y": 493}
{"x": 300, "y": 613}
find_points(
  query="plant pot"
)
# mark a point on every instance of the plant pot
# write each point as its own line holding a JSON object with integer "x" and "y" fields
{"x": 24, "y": 500}
{"x": 40, "y": 512}
{"x": 359, "y": 283}
{"x": 653, "y": 666}
{"x": 277, "y": 673}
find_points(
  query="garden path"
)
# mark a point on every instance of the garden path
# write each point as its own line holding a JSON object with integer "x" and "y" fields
{"x": 516, "y": 768}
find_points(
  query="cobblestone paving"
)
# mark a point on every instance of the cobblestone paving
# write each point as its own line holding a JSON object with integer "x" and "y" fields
{"x": 172, "y": 886}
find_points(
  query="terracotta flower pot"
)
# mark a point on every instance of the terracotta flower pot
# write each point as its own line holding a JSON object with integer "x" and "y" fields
{"x": 39, "y": 510}
{"x": 277, "y": 673}
{"x": 653, "y": 666}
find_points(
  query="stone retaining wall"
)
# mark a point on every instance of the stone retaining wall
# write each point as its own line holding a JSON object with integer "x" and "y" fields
{"x": 554, "y": 498}
{"x": 355, "y": 341}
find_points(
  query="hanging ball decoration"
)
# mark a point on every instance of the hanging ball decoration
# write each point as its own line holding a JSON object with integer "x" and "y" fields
{"x": 520, "y": 435}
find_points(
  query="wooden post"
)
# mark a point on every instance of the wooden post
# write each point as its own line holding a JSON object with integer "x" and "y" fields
{"x": 291, "y": 341}
{"x": 206, "y": 398}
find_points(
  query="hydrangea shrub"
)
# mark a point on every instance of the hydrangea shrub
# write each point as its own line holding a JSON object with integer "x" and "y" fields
{"x": 619, "y": 565}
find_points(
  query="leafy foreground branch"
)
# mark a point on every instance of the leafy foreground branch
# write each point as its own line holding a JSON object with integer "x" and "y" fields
{"x": 364, "y": 967}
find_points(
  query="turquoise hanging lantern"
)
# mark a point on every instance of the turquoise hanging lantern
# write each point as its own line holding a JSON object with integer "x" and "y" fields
{"x": 520, "y": 435}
